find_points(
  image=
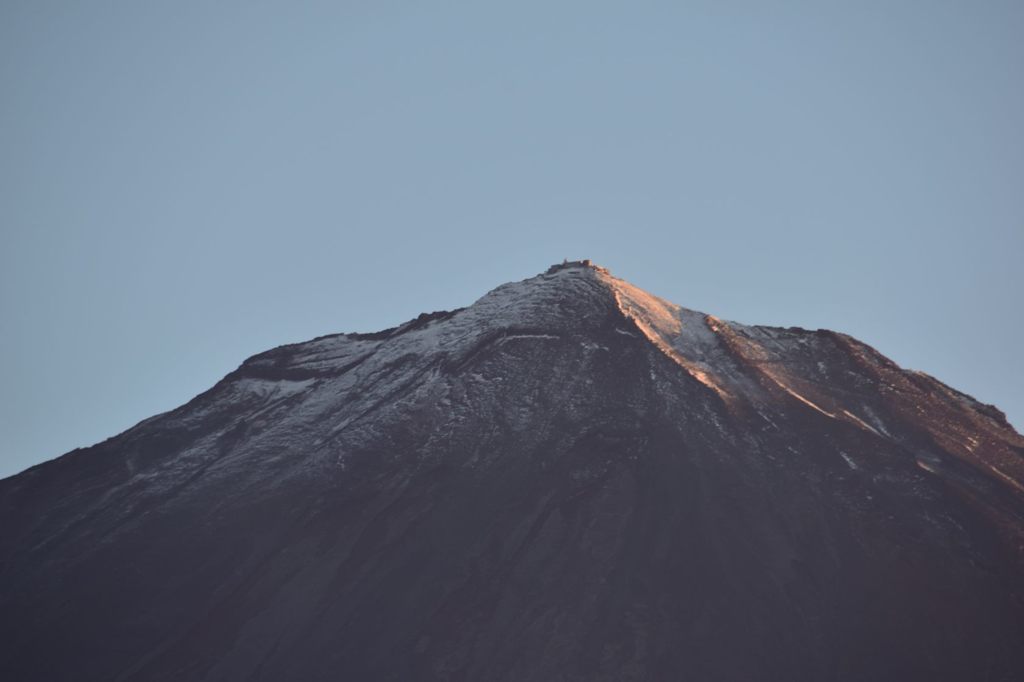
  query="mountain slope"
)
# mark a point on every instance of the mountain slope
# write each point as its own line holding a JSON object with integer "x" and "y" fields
{"x": 570, "y": 479}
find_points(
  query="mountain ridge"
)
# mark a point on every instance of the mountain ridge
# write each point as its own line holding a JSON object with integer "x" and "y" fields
{"x": 583, "y": 265}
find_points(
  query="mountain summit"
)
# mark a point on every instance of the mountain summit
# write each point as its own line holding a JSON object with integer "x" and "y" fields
{"x": 570, "y": 479}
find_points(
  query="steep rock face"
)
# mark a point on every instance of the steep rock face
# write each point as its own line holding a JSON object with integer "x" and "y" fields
{"x": 570, "y": 479}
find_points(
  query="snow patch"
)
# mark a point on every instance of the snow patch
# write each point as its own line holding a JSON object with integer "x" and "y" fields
{"x": 514, "y": 337}
{"x": 674, "y": 330}
{"x": 860, "y": 422}
{"x": 1006, "y": 477}
{"x": 267, "y": 388}
{"x": 849, "y": 460}
{"x": 876, "y": 422}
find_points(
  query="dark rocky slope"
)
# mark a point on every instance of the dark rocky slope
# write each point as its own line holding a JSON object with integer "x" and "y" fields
{"x": 568, "y": 480}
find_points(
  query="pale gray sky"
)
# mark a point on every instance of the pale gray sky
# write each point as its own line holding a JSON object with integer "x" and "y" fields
{"x": 184, "y": 184}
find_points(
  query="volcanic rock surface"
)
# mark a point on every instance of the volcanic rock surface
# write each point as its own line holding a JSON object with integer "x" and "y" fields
{"x": 569, "y": 480}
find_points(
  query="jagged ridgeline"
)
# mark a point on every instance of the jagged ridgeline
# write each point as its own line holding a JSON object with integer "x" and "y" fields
{"x": 570, "y": 479}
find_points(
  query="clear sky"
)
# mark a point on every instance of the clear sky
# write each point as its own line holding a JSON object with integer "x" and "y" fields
{"x": 184, "y": 184}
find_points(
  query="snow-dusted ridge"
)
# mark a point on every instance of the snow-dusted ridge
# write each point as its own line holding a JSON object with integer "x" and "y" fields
{"x": 736, "y": 367}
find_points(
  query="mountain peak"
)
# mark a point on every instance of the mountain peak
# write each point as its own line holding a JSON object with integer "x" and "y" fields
{"x": 570, "y": 478}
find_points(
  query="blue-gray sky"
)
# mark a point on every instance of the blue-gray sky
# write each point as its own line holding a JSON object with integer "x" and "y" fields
{"x": 185, "y": 184}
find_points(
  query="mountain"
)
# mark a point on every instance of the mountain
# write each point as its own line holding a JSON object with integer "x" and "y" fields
{"x": 570, "y": 479}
